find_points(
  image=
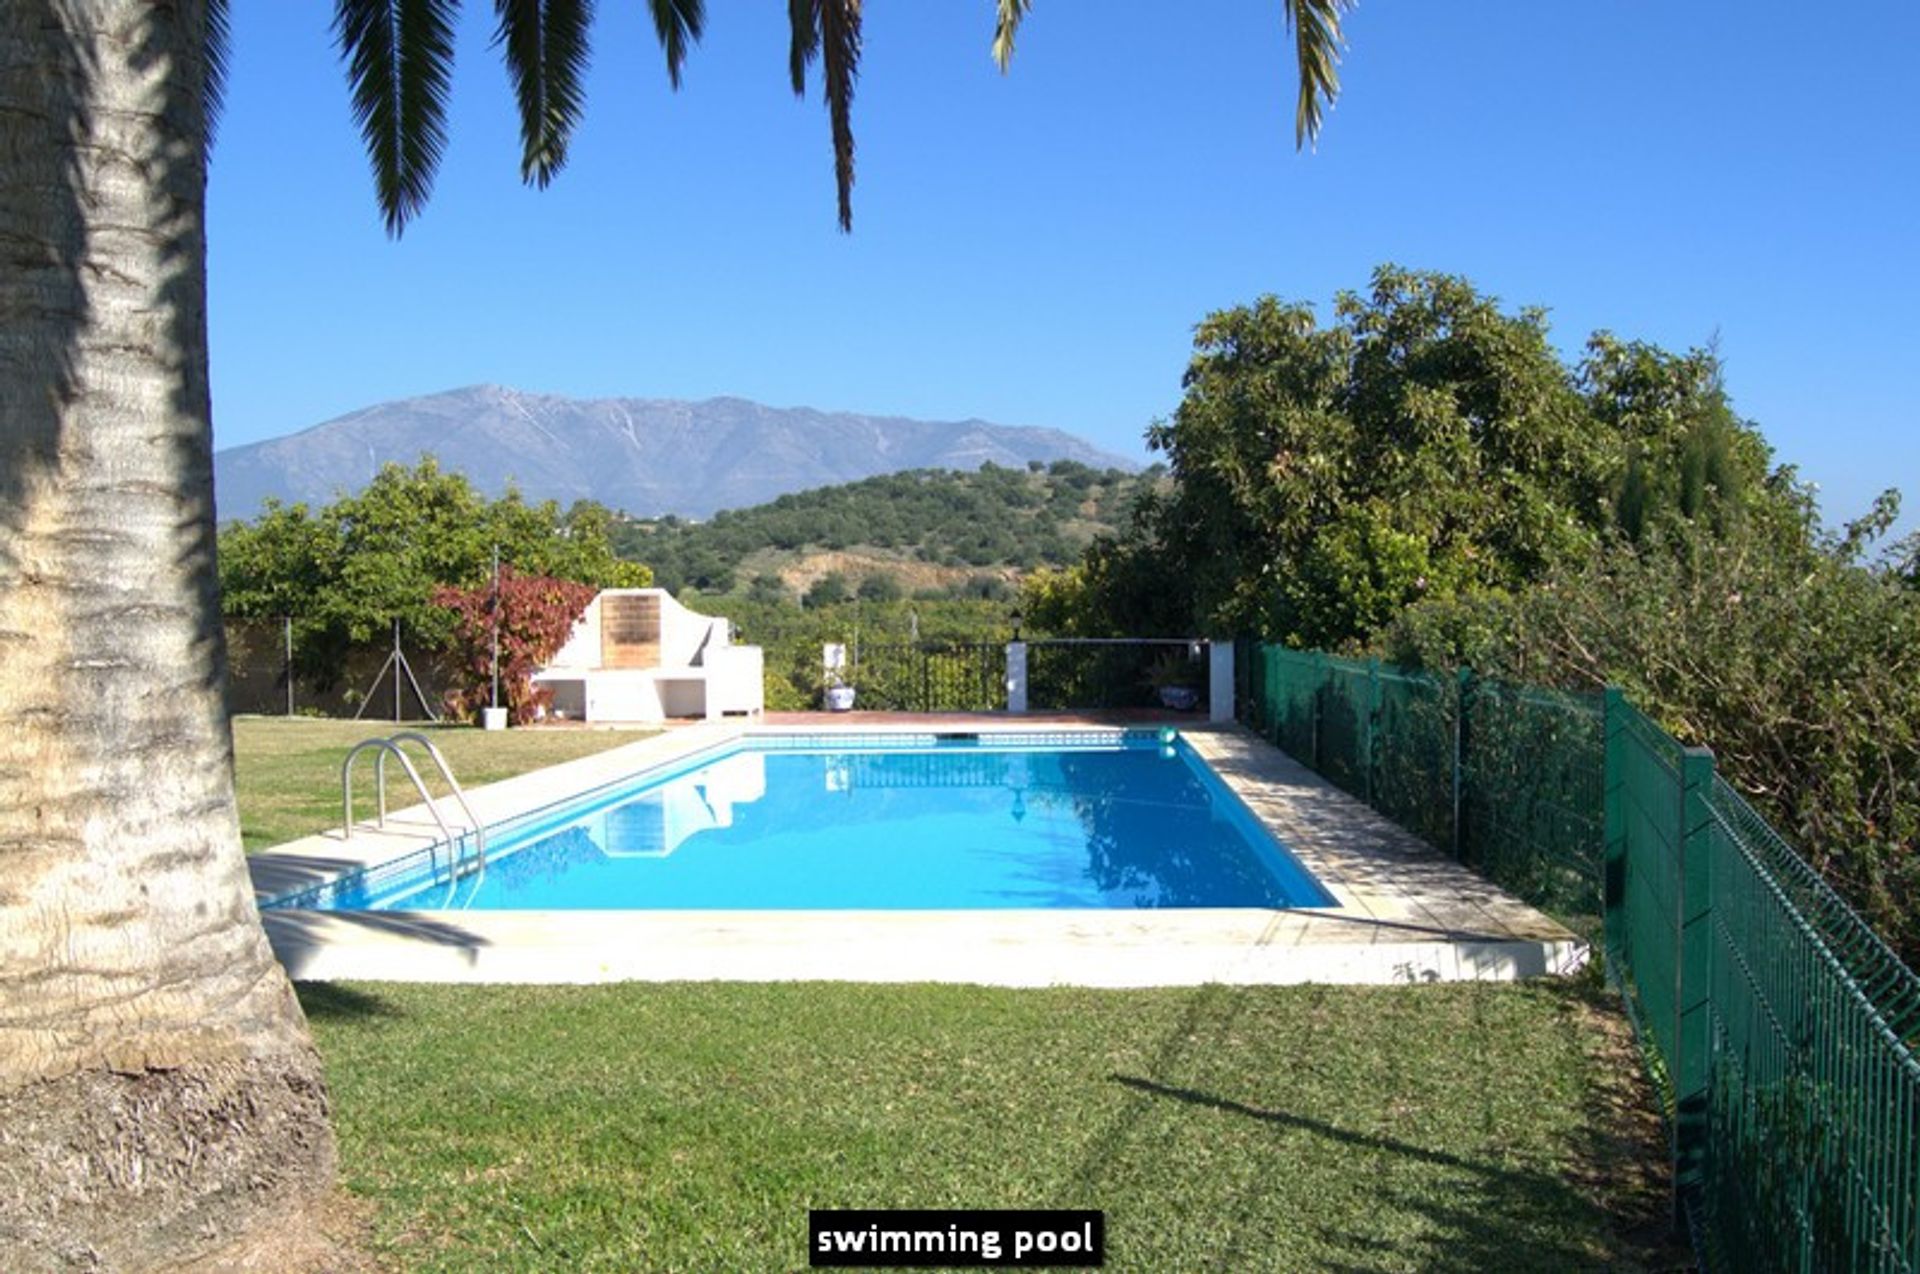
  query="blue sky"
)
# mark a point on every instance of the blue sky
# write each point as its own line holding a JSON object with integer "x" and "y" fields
{"x": 1035, "y": 249}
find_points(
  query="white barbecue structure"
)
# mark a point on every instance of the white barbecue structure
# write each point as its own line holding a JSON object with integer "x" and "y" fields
{"x": 639, "y": 655}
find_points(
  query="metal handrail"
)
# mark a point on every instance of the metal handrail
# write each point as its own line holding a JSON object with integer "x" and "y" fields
{"x": 446, "y": 772}
{"x": 391, "y": 744}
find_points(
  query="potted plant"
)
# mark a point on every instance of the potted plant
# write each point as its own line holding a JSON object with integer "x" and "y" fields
{"x": 839, "y": 694}
{"x": 1172, "y": 679}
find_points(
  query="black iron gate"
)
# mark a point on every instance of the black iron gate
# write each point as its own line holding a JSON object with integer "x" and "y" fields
{"x": 929, "y": 676}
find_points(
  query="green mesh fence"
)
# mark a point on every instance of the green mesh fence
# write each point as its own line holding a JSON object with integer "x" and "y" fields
{"x": 1531, "y": 784}
{"x": 1812, "y": 1092}
{"x": 1779, "y": 1031}
{"x": 1507, "y": 778}
{"x": 1645, "y": 830}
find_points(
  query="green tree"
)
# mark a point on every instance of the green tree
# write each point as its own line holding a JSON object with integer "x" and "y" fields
{"x": 767, "y": 590}
{"x": 1425, "y": 444}
{"x": 347, "y": 572}
{"x": 993, "y": 517}
{"x": 829, "y": 590}
{"x": 1780, "y": 648}
{"x": 880, "y": 587}
{"x": 142, "y": 1004}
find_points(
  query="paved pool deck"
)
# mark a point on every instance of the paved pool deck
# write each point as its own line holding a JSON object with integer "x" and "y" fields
{"x": 1404, "y": 913}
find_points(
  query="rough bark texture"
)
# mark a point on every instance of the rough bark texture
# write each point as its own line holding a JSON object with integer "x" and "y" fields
{"x": 107, "y": 1171}
{"x": 158, "y": 1090}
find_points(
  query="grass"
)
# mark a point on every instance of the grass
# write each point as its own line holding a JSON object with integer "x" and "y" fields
{"x": 691, "y": 1126}
{"x": 287, "y": 769}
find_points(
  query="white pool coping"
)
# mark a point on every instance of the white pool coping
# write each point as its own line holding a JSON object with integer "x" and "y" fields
{"x": 1404, "y": 913}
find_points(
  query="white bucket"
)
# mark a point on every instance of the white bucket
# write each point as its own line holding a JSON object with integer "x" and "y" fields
{"x": 493, "y": 718}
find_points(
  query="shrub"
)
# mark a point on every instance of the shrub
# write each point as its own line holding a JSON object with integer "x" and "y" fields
{"x": 829, "y": 590}
{"x": 1786, "y": 655}
{"x": 880, "y": 587}
{"x": 535, "y": 613}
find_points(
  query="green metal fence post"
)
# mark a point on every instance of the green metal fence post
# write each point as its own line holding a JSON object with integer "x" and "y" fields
{"x": 1693, "y": 980}
{"x": 1319, "y": 693}
{"x": 1270, "y": 690}
{"x": 1462, "y": 696}
{"x": 1613, "y": 823}
{"x": 1367, "y": 758}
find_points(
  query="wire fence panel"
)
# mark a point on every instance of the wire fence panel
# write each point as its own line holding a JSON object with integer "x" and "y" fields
{"x": 1643, "y": 941}
{"x": 1344, "y": 717}
{"x": 1416, "y": 740}
{"x": 1779, "y": 1030}
{"x": 277, "y": 669}
{"x": 1289, "y": 701}
{"x": 1486, "y": 771}
{"x": 1530, "y": 792}
{"x": 1812, "y": 1157}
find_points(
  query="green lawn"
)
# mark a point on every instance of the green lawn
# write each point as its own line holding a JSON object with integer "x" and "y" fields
{"x": 287, "y": 769}
{"x": 690, "y": 1127}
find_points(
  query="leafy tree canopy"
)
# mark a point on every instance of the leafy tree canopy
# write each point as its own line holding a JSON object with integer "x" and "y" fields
{"x": 1425, "y": 477}
{"x": 346, "y": 571}
{"x": 1425, "y": 443}
{"x": 829, "y": 590}
{"x": 1786, "y": 650}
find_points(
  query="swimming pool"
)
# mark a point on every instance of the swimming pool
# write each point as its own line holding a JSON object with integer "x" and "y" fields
{"x": 1062, "y": 820}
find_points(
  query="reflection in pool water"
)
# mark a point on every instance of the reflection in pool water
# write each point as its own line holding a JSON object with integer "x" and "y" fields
{"x": 942, "y": 828}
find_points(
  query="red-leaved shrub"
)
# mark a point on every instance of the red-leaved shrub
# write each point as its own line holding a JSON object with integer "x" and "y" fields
{"x": 536, "y": 615}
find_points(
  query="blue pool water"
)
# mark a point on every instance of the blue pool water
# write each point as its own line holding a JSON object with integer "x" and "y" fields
{"x": 771, "y": 824}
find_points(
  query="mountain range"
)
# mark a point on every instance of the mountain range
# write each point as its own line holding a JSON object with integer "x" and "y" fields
{"x": 644, "y": 456}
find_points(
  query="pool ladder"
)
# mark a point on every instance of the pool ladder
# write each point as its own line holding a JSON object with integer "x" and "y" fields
{"x": 390, "y": 744}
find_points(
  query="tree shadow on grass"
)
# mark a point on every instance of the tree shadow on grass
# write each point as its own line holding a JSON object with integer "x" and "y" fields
{"x": 1600, "y": 1202}
{"x": 1487, "y": 1216}
{"x": 332, "y": 1002}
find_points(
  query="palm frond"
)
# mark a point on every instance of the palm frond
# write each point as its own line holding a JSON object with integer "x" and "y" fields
{"x": 804, "y": 45}
{"x": 399, "y": 56}
{"x": 1315, "y": 26}
{"x": 679, "y": 23}
{"x": 213, "y": 87}
{"x": 840, "y": 62}
{"x": 1011, "y": 12}
{"x": 546, "y": 49}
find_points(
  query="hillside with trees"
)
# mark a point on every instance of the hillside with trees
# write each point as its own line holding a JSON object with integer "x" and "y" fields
{"x": 1425, "y": 478}
{"x": 930, "y": 531}
{"x": 927, "y": 554}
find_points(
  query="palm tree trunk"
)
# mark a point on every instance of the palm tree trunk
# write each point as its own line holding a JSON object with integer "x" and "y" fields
{"x": 159, "y": 1094}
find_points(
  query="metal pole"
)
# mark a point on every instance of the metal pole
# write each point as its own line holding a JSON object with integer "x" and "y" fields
{"x": 1462, "y": 697}
{"x": 288, "y": 621}
{"x": 397, "y": 705}
{"x": 493, "y": 609}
